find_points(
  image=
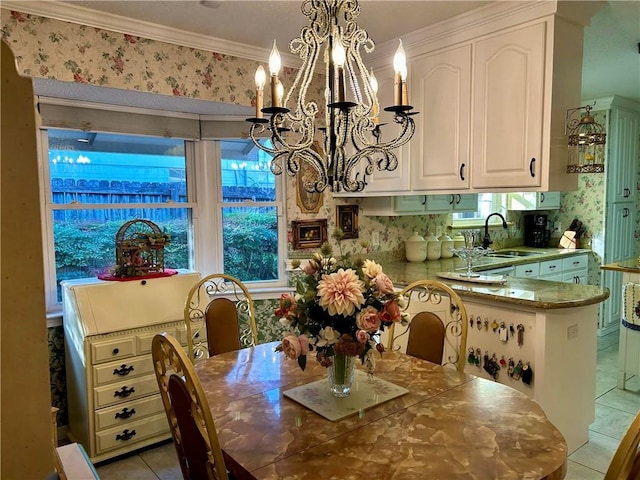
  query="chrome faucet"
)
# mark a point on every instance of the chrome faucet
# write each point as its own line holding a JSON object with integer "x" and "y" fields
{"x": 486, "y": 241}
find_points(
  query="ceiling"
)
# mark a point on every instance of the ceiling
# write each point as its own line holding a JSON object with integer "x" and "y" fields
{"x": 611, "y": 55}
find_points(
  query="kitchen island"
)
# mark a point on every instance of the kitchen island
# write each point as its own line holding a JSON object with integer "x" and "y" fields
{"x": 553, "y": 331}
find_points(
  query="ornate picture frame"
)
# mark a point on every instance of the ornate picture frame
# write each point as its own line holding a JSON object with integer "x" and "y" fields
{"x": 309, "y": 233}
{"x": 347, "y": 220}
{"x": 306, "y": 201}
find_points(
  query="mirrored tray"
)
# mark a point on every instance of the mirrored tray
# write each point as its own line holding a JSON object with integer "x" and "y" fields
{"x": 462, "y": 277}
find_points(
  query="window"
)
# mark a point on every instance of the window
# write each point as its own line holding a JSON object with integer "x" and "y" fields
{"x": 97, "y": 182}
{"x": 218, "y": 200}
{"x": 487, "y": 204}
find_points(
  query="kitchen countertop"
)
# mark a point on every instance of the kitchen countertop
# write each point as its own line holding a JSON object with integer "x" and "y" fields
{"x": 628, "y": 266}
{"x": 541, "y": 294}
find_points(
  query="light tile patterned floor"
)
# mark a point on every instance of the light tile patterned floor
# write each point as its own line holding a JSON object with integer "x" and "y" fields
{"x": 615, "y": 410}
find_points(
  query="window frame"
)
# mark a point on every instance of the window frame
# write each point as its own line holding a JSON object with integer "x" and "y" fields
{"x": 204, "y": 202}
{"x": 498, "y": 204}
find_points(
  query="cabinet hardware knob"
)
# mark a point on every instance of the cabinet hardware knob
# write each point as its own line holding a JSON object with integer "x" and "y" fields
{"x": 531, "y": 167}
{"x": 462, "y": 171}
{"x": 627, "y": 192}
{"x": 143, "y": 282}
{"x": 126, "y": 435}
{"x": 452, "y": 199}
{"x": 115, "y": 351}
{"x": 459, "y": 198}
{"x": 126, "y": 413}
{"x": 625, "y": 212}
{"x": 123, "y": 370}
{"x": 541, "y": 197}
{"x": 124, "y": 392}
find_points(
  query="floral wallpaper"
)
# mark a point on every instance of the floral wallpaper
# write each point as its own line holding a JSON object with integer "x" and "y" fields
{"x": 65, "y": 51}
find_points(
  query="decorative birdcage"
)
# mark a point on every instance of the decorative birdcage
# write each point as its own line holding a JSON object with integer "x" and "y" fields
{"x": 140, "y": 249}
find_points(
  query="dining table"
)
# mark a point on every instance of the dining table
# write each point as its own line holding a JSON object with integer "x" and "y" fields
{"x": 440, "y": 424}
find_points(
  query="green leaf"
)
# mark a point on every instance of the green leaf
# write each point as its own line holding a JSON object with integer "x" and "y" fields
{"x": 302, "y": 361}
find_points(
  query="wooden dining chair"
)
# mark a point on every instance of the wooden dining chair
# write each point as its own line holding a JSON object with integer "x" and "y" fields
{"x": 187, "y": 409}
{"x": 219, "y": 316}
{"x": 625, "y": 464}
{"x": 438, "y": 328}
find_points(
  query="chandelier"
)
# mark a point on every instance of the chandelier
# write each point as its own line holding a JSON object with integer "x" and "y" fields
{"x": 586, "y": 142}
{"x": 348, "y": 125}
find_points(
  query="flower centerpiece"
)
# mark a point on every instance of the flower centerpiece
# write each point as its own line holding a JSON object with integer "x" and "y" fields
{"x": 339, "y": 309}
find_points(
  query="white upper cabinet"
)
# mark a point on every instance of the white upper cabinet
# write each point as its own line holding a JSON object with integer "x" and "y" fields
{"x": 385, "y": 182}
{"x": 508, "y": 108}
{"x": 441, "y": 90}
{"x": 492, "y": 88}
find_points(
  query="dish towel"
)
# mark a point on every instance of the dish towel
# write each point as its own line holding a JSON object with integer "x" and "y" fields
{"x": 631, "y": 299}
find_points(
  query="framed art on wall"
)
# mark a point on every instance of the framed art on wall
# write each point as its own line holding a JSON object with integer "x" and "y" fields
{"x": 308, "y": 202}
{"x": 309, "y": 233}
{"x": 347, "y": 220}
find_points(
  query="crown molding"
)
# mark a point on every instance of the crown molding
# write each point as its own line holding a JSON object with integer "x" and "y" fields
{"x": 67, "y": 12}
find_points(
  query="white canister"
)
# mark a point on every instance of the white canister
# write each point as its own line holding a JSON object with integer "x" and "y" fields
{"x": 433, "y": 247}
{"x": 446, "y": 244}
{"x": 458, "y": 241}
{"x": 415, "y": 248}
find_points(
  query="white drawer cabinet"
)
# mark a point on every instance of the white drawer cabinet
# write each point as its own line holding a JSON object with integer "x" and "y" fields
{"x": 114, "y": 404}
{"x": 573, "y": 269}
{"x": 528, "y": 270}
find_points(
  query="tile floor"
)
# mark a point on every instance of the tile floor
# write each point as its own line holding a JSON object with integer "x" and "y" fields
{"x": 615, "y": 409}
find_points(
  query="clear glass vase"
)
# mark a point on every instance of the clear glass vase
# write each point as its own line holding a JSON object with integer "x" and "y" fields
{"x": 340, "y": 375}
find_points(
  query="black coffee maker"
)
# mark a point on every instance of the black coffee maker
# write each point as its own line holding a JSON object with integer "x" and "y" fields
{"x": 536, "y": 233}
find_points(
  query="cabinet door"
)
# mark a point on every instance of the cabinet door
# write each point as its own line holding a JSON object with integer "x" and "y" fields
{"x": 621, "y": 222}
{"x": 548, "y": 200}
{"x": 398, "y": 179}
{"x": 440, "y": 203}
{"x": 467, "y": 202}
{"x": 410, "y": 204}
{"x": 623, "y": 159}
{"x": 508, "y": 108}
{"x": 441, "y": 92}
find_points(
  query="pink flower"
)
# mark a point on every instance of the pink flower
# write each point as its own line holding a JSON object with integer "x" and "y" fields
{"x": 287, "y": 305}
{"x": 341, "y": 292}
{"x": 362, "y": 336}
{"x": 383, "y": 284}
{"x": 293, "y": 346}
{"x": 368, "y": 320}
{"x": 391, "y": 312}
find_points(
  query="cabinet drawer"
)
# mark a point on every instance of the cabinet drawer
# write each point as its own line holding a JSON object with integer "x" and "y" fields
{"x": 550, "y": 267}
{"x": 131, "y": 433}
{"x": 575, "y": 262}
{"x": 129, "y": 412}
{"x": 144, "y": 340}
{"x": 124, "y": 391}
{"x": 122, "y": 371}
{"x": 529, "y": 270}
{"x": 112, "y": 349}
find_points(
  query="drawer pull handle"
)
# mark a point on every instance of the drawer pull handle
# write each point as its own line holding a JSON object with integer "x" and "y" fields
{"x": 125, "y": 413}
{"x": 123, "y": 370}
{"x": 126, "y": 435}
{"x": 124, "y": 392}
{"x": 531, "y": 167}
{"x": 552, "y": 267}
{"x": 115, "y": 351}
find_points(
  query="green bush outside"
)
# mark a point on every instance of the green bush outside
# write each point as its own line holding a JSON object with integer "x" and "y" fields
{"x": 84, "y": 250}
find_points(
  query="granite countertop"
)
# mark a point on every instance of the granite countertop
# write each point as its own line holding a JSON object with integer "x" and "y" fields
{"x": 629, "y": 266}
{"x": 541, "y": 294}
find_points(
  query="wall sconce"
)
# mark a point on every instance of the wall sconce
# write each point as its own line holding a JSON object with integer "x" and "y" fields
{"x": 586, "y": 141}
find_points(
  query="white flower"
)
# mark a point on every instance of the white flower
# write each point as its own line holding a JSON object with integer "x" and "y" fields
{"x": 286, "y": 322}
{"x": 371, "y": 269}
{"x": 328, "y": 336}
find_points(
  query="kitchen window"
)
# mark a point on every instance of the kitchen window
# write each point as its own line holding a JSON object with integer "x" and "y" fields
{"x": 487, "y": 204}
{"x": 217, "y": 199}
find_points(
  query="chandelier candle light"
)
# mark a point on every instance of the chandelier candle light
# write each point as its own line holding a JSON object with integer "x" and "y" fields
{"x": 352, "y": 137}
